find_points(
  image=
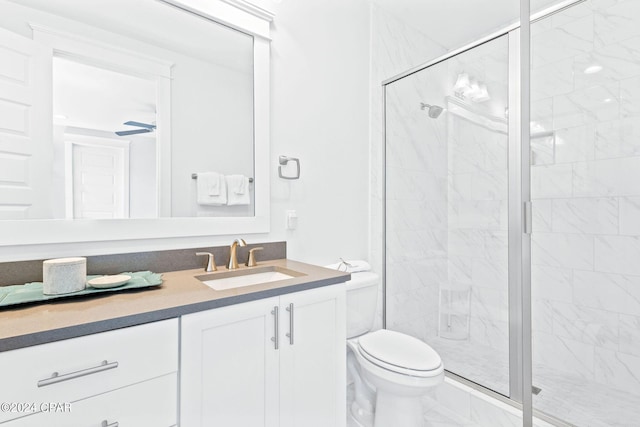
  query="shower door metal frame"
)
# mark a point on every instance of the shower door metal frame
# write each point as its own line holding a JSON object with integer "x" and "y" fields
{"x": 516, "y": 212}
{"x": 516, "y": 184}
{"x": 519, "y": 210}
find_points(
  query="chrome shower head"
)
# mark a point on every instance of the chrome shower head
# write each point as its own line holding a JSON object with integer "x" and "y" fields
{"x": 433, "y": 110}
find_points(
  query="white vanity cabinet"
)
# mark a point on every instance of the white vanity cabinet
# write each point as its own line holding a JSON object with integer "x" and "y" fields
{"x": 124, "y": 377}
{"x": 152, "y": 403}
{"x": 273, "y": 362}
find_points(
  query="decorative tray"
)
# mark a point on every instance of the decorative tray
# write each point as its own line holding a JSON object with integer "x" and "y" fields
{"x": 32, "y": 292}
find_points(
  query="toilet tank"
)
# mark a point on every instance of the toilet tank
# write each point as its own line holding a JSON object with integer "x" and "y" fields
{"x": 362, "y": 298}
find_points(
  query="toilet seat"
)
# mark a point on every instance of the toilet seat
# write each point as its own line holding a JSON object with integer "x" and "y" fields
{"x": 400, "y": 353}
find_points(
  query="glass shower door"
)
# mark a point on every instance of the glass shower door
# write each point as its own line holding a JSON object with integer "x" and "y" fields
{"x": 446, "y": 226}
{"x": 585, "y": 186}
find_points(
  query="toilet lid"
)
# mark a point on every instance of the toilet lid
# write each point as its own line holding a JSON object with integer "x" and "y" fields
{"x": 399, "y": 350}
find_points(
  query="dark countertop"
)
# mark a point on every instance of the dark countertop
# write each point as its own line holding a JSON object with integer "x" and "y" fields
{"x": 180, "y": 293}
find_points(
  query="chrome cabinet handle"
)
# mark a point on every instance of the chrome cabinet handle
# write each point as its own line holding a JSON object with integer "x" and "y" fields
{"x": 290, "y": 334}
{"x": 57, "y": 378}
{"x": 274, "y": 338}
{"x": 105, "y": 423}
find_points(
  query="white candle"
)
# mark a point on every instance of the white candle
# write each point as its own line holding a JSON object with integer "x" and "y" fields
{"x": 64, "y": 275}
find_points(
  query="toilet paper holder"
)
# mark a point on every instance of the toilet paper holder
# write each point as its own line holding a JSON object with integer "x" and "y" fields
{"x": 284, "y": 160}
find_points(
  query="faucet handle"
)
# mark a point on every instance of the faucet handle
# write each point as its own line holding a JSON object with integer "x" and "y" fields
{"x": 211, "y": 261}
{"x": 251, "y": 262}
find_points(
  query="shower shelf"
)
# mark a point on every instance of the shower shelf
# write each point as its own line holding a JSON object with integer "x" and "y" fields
{"x": 454, "y": 311}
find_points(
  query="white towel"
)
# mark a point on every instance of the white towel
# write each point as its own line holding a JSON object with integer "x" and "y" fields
{"x": 351, "y": 266}
{"x": 238, "y": 190}
{"x": 211, "y": 188}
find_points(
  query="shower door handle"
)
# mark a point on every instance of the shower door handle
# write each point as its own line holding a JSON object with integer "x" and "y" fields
{"x": 528, "y": 217}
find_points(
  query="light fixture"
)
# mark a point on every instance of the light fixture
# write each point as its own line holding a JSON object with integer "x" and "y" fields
{"x": 536, "y": 127}
{"x": 462, "y": 85}
{"x": 592, "y": 69}
{"x": 468, "y": 87}
{"x": 473, "y": 88}
{"x": 607, "y": 100}
{"x": 479, "y": 93}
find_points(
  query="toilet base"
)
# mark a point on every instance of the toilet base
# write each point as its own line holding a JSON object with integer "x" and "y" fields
{"x": 362, "y": 409}
{"x": 394, "y": 410}
{"x": 360, "y": 416}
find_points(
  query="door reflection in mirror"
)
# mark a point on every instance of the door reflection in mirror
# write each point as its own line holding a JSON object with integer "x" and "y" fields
{"x": 107, "y": 173}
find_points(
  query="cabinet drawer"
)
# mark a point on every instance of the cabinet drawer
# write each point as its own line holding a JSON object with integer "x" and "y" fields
{"x": 132, "y": 355}
{"x": 151, "y": 403}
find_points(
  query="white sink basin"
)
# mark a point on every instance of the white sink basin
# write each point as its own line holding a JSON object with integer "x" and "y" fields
{"x": 239, "y": 278}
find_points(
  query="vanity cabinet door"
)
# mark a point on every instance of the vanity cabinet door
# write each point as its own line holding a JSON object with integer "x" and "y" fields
{"x": 313, "y": 358}
{"x": 229, "y": 367}
{"x": 234, "y": 373}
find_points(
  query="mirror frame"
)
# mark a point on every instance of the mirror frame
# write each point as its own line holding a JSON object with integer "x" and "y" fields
{"x": 239, "y": 15}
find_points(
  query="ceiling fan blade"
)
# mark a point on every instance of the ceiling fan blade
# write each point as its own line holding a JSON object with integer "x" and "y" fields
{"x": 132, "y": 132}
{"x": 142, "y": 125}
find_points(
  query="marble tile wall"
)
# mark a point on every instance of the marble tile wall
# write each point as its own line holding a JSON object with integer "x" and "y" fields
{"x": 468, "y": 407}
{"x": 417, "y": 217}
{"x": 446, "y": 198}
{"x": 478, "y": 207}
{"x": 586, "y": 190}
{"x": 396, "y": 47}
{"x": 586, "y": 194}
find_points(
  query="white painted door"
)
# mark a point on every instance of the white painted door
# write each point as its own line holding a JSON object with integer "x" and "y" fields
{"x": 229, "y": 367}
{"x": 313, "y": 358}
{"x": 26, "y": 149}
{"x": 100, "y": 181}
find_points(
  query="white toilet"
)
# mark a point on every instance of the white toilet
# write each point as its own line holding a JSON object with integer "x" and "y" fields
{"x": 391, "y": 371}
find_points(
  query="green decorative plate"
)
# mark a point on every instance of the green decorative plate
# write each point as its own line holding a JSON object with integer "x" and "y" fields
{"x": 32, "y": 292}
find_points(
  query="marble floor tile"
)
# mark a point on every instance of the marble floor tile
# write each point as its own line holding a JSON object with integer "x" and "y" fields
{"x": 435, "y": 415}
{"x": 478, "y": 363}
{"x": 564, "y": 396}
{"x": 584, "y": 403}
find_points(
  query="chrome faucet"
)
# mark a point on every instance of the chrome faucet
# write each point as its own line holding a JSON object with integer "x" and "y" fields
{"x": 233, "y": 257}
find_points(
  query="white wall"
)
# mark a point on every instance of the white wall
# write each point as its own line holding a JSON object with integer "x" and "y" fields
{"x": 319, "y": 113}
{"x": 395, "y": 47}
{"x": 142, "y": 203}
{"x": 212, "y": 130}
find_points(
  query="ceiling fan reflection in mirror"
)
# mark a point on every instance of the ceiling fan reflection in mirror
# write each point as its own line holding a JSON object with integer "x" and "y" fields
{"x": 145, "y": 128}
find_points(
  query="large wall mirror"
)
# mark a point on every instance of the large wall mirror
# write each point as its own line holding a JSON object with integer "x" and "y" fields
{"x": 142, "y": 119}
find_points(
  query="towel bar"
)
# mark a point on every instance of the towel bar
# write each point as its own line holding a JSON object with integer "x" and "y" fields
{"x": 195, "y": 176}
